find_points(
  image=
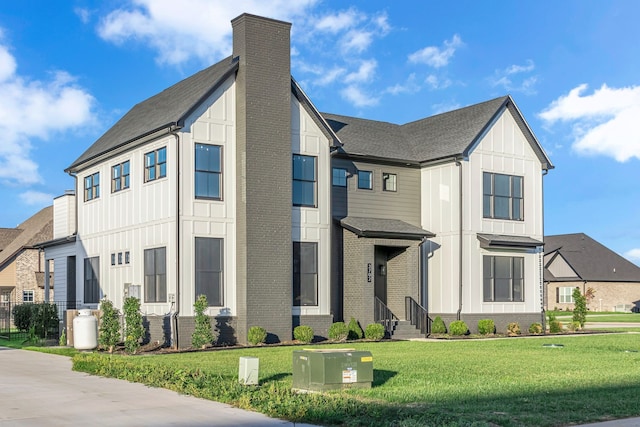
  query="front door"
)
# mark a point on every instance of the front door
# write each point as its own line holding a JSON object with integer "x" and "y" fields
{"x": 380, "y": 267}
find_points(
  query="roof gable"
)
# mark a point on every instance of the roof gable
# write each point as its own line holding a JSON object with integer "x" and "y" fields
{"x": 34, "y": 230}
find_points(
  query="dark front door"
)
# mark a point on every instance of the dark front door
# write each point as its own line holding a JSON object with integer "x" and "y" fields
{"x": 71, "y": 282}
{"x": 380, "y": 267}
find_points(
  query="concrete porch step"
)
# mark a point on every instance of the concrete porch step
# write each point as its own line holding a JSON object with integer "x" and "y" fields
{"x": 404, "y": 330}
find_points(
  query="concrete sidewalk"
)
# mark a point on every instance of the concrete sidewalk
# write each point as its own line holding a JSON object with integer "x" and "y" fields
{"x": 38, "y": 389}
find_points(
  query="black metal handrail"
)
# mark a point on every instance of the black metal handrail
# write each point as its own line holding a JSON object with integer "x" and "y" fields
{"x": 384, "y": 316}
{"x": 418, "y": 316}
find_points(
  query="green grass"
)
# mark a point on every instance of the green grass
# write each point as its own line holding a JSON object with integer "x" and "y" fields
{"x": 19, "y": 343}
{"x": 506, "y": 382}
{"x": 601, "y": 316}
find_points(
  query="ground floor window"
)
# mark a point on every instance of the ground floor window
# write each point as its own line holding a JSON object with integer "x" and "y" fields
{"x": 27, "y": 296}
{"x": 305, "y": 273}
{"x": 503, "y": 278}
{"x": 209, "y": 263}
{"x": 155, "y": 275}
{"x": 565, "y": 294}
{"x": 92, "y": 280}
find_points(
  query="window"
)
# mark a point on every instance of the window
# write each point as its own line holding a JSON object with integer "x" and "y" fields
{"x": 565, "y": 294}
{"x": 209, "y": 262}
{"x": 502, "y": 196}
{"x": 120, "y": 177}
{"x": 503, "y": 279}
{"x": 305, "y": 273}
{"x": 27, "y": 296}
{"x": 155, "y": 275}
{"x": 365, "y": 180}
{"x": 113, "y": 259}
{"x": 92, "y": 280}
{"x": 208, "y": 179}
{"x": 92, "y": 187}
{"x": 304, "y": 180}
{"x": 339, "y": 177}
{"x": 155, "y": 164}
{"x": 389, "y": 181}
{"x": 119, "y": 258}
{"x": 127, "y": 258}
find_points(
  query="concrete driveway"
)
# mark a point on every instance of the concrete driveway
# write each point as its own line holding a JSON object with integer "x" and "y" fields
{"x": 38, "y": 389}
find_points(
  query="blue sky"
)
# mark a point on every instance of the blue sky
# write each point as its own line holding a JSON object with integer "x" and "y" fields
{"x": 69, "y": 70}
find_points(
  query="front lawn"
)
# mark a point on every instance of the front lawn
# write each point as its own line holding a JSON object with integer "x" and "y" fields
{"x": 506, "y": 382}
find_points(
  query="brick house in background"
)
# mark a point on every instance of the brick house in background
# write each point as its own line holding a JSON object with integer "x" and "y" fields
{"x": 576, "y": 260}
{"x": 21, "y": 262}
{"x": 231, "y": 184}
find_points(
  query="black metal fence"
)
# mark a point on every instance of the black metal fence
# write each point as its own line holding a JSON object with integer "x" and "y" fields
{"x": 33, "y": 321}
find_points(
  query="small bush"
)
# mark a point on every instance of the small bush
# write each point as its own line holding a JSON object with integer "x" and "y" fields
{"x": 535, "y": 328}
{"x": 256, "y": 335}
{"x": 109, "y": 331}
{"x": 303, "y": 333}
{"x": 458, "y": 328}
{"x": 338, "y": 331}
{"x": 203, "y": 335}
{"x": 513, "y": 329}
{"x": 555, "y": 326}
{"x": 486, "y": 326}
{"x": 133, "y": 329}
{"x": 374, "y": 331}
{"x": 574, "y": 326}
{"x": 355, "y": 331}
{"x": 438, "y": 326}
{"x": 22, "y": 316}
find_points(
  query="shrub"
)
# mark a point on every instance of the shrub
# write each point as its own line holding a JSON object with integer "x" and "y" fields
{"x": 438, "y": 326}
{"x": 486, "y": 326}
{"x": 574, "y": 326}
{"x": 202, "y": 335}
{"x": 256, "y": 335}
{"x": 374, "y": 331}
{"x": 109, "y": 332}
{"x": 580, "y": 308}
{"x": 45, "y": 319}
{"x": 535, "y": 328}
{"x": 22, "y": 316}
{"x": 338, "y": 331}
{"x": 513, "y": 329}
{"x": 304, "y": 334}
{"x": 133, "y": 329}
{"x": 458, "y": 327}
{"x": 355, "y": 331}
{"x": 555, "y": 326}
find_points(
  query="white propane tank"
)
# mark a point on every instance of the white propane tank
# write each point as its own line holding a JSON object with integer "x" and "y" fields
{"x": 85, "y": 330}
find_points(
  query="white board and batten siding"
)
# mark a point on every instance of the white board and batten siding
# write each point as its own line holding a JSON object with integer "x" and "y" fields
{"x": 313, "y": 224}
{"x": 503, "y": 149}
{"x": 214, "y": 124}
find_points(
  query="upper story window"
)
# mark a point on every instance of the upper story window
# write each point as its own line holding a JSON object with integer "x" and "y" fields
{"x": 365, "y": 180}
{"x": 389, "y": 181}
{"x": 120, "y": 177}
{"x": 502, "y": 196}
{"x": 503, "y": 278}
{"x": 155, "y": 164}
{"x": 339, "y": 177}
{"x": 92, "y": 187}
{"x": 304, "y": 180}
{"x": 208, "y": 172}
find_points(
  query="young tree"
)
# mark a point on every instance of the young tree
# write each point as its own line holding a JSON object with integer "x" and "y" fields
{"x": 133, "y": 329}
{"x": 202, "y": 334}
{"x": 109, "y": 325}
{"x": 580, "y": 307}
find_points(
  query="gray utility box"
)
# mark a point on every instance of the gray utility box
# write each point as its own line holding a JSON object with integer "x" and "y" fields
{"x": 320, "y": 370}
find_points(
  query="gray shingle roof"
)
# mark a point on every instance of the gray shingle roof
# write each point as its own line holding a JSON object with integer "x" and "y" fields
{"x": 591, "y": 260}
{"x": 36, "y": 229}
{"x": 167, "y": 108}
{"x": 383, "y": 228}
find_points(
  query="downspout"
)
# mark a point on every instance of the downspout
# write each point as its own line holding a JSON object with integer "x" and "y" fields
{"x": 459, "y": 165}
{"x": 174, "y": 316}
{"x": 544, "y": 286}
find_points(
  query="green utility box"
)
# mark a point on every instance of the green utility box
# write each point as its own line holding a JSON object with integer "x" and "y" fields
{"x": 335, "y": 369}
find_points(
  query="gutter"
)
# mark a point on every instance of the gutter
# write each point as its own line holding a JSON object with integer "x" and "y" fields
{"x": 460, "y": 252}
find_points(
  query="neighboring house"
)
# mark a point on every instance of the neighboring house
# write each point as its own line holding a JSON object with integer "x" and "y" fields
{"x": 22, "y": 268}
{"x": 231, "y": 184}
{"x": 576, "y": 260}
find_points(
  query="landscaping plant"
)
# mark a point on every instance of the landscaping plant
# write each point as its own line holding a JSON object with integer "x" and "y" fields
{"x": 580, "y": 307}
{"x": 535, "y": 328}
{"x": 374, "y": 331}
{"x": 458, "y": 328}
{"x": 303, "y": 333}
{"x": 338, "y": 331}
{"x": 486, "y": 326}
{"x": 203, "y": 335}
{"x": 109, "y": 331}
{"x": 133, "y": 329}
{"x": 438, "y": 326}
{"x": 355, "y": 331}
{"x": 256, "y": 335}
{"x": 513, "y": 329}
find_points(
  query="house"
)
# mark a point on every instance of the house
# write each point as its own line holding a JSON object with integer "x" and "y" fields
{"x": 578, "y": 261}
{"x": 21, "y": 262}
{"x": 231, "y": 184}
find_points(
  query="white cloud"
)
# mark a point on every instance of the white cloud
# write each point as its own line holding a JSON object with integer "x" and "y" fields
{"x": 358, "y": 97}
{"x": 437, "y": 57}
{"x": 201, "y": 29}
{"x": 356, "y": 41}
{"x": 514, "y": 69}
{"x": 633, "y": 254}
{"x": 364, "y": 73}
{"x": 511, "y": 78}
{"x": 435, "y": 82}
{"x": 410, "y": 86}
{"x": 603, "y": 123}
{"x": 83, "y": 14}
{"x": 444, "y": 107}
{"x": 33, "y": 110}
{"x": 36, "y": 198}
{"x": 334, "y": 23}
